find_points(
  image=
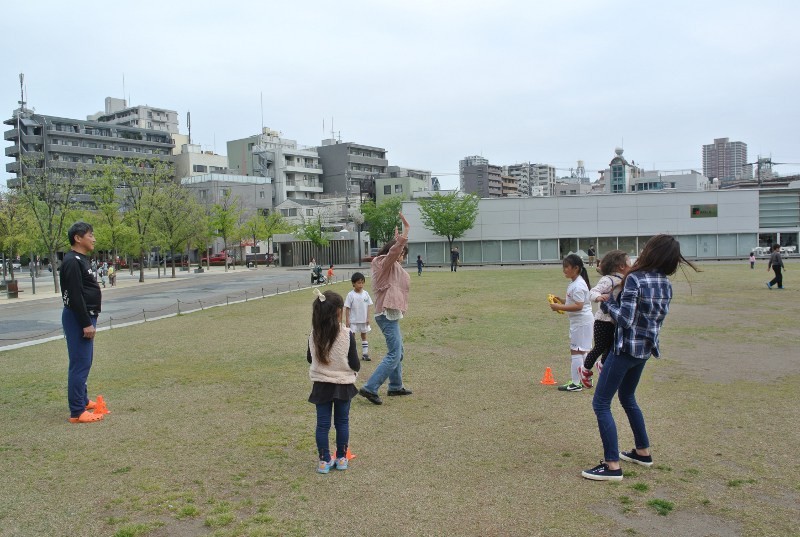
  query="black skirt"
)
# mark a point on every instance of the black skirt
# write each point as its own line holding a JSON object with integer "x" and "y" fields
{"x": 325, "y": 392}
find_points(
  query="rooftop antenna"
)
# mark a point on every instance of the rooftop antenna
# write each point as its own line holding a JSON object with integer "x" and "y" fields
{"x": 262, "y": 112}
{"x": 189, "y": 125}
{"x": 21, "y": 91}
{"x": 123, "y": 88}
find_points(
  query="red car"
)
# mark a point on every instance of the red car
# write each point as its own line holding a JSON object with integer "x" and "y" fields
{"x": 217, "y": 259}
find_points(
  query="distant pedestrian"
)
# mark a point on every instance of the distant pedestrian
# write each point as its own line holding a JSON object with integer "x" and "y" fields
{"x": 330, "y": 275}
{"x": 82, "y": 297}
{"x": 112, "y": 276}
{"x": 752, "y": 260}
{"x": 420, "y": 264}
{"x": 591, "y": 253}
{"x": 776, "y": 264}
{"x": 333, "y": 356}
{"x": 455, "y": 259}
{"x": 312, "y": 267}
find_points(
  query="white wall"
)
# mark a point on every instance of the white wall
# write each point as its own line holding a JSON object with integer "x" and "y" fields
{"x": 601, "y": 215}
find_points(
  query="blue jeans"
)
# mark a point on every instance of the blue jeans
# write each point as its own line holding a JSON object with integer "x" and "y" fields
{"x": 341, "y": 421}
{"x": 621, "y": 374}
{"x": 81, "y": 352}
{"x": 391, "y": 366}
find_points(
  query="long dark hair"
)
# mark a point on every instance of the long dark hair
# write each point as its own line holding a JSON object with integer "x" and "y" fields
{"x": 574, "y": 260}
{"x": 612, "y": 261}
{"x": 662, "y": 253}
{"x": 325, "y": 323}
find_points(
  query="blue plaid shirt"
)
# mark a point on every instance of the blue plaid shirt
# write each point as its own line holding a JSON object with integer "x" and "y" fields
{"x": 639, "y": 312}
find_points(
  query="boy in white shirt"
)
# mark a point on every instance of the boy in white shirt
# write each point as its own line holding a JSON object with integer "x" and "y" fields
{"x": 356, "y": 312}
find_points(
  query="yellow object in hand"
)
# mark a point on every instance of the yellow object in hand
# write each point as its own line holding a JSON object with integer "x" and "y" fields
{"x": 553, "y": 299}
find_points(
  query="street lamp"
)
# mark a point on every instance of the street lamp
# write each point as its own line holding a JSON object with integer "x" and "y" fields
{"x": 358, "y": 220}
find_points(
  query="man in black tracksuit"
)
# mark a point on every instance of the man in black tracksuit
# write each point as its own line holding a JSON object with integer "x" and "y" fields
{"x": 82, "y": 297}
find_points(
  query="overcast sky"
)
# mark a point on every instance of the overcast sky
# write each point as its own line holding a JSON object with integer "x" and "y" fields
{"x": 431, "y": 82}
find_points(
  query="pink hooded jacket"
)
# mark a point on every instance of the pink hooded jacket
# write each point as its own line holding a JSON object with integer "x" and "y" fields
{"x": 390, "y": 281}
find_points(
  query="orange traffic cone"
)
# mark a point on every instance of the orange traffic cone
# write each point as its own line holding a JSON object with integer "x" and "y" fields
{"x": 349, "y": 454}
{"x": 546, "y": 379}
{"x": 101, "y": 407}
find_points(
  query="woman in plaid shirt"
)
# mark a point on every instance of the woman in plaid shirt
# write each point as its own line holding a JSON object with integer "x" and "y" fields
{"x": 639, "y": 313}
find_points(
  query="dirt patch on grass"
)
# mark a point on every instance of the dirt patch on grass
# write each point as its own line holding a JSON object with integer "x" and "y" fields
{"x": 645, "y": 521}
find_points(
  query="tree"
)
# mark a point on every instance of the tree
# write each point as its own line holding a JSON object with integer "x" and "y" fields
{"x": 178, "y": 217}
{"x": 141, "y": 185}
{"x": 314, "y": 231}
{"x": 16, "y": 224}
{"x": 276, "y": 224}
{"x": 224, "y": 220}
{"x": 382, "y": 219}
{"x": 450, "y": 215}
{"x": 50, "y": 197}
{"x": 110, "y": 229}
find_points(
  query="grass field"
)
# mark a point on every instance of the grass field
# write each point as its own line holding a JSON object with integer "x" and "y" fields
{"x": 211, "y": 433}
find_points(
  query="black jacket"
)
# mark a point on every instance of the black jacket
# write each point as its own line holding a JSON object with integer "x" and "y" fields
{"x": 79, "y": 289}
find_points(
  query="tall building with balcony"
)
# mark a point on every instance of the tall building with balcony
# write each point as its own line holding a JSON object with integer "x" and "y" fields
{"x": 522, "y": 174}
{"x": 543, "y": 179}
{"x": 726, "y": 161}
{"x": 483, "y": 180}
{"x": 350, "y": 169}
{"x": 117, "y": 112}
{"x": 295, "y": 170}
{"x": 73, "y": 147}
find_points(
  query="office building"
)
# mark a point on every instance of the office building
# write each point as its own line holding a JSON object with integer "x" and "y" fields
{"x": 350, "y": 169}
{"x": 621, "y": 175}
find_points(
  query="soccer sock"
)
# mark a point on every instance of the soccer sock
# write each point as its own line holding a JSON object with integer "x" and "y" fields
{"x": 577, "y": 362}
{"x": 365, "y": 348}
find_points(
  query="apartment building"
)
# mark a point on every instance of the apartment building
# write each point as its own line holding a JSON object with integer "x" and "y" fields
{"x": 117, "y": 112}
{"x": 522, "y": 174}
{"x": 72, "y": 146}
{"x": 295, "y": 170}
{"x": 726, "y": 161}
{"x": 350, "y": 169}
{"x": 192, "y": 160}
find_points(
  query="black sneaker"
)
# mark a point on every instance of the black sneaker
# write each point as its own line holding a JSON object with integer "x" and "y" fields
{"x": 401, "y": 391}
{"x": 366, "y": 358}
{"x": 570, "y": 387}
{"x": 373, "y": 398}
{"x": 632, "y": 456}
{"x": 601, "y": 472}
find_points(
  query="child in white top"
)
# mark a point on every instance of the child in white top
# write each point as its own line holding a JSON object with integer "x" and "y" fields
{"x": 613, "y": 267}
{"x": 579, "y": 310}
{"x": 356, "y": 312}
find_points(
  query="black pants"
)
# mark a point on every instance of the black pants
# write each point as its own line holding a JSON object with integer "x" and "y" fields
{"x": 778, "y": 277}
{"x": 603, "y": 339}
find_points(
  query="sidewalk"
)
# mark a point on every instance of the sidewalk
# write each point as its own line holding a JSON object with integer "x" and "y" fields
{"x": 44, "y": 283}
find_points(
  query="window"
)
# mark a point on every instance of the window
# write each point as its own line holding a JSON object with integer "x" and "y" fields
{"x": 289, "y": 212}
{"x": 309, "y": 212}
{"x": 199, "y": 168}
{"x": 203, "y": 194}
{"x": 387, "y": 189}
{"x": 398, "y": 189}
{"x": 261, "y": 194}
{"x": 224, "y": 192}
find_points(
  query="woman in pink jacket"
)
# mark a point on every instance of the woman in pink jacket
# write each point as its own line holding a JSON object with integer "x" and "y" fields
{"x": 390, "y": 283}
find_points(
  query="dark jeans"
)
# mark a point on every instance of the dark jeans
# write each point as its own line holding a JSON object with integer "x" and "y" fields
{"x": 621, "y": 374}
{"x": 454, "y": 266}
{"x": 778, "y": 277}
{"x": 81, "y": 352}
{"x": 341, "y": 421}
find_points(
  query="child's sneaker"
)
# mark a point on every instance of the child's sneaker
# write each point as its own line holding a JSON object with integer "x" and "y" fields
{"x": 632, "y": 456}
{"x": 325, "y": 466}
{"x": 341, "y": 463}
{"x": 570, "y": 387}
{"x": 366, "y": 358}
{"x": 586, "y": 377}
{"x": 602, "y": 472}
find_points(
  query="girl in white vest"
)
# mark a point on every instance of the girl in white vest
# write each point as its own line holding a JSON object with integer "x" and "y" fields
{"x": 333, "y": 356}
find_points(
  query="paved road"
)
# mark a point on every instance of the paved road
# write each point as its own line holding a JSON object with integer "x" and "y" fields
{"x": 35, "y": 317}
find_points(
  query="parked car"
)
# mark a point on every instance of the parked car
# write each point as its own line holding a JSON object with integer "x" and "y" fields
{"x": 180, "y": 261}
{"x": 217, "y": 259}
